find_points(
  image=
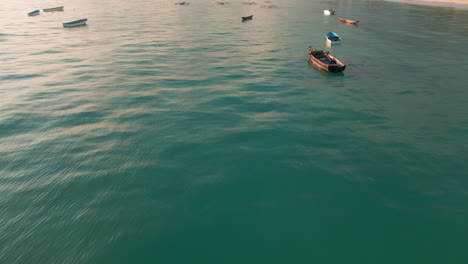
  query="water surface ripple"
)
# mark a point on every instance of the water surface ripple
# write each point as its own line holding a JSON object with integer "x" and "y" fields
{"x": 162, "y": 133}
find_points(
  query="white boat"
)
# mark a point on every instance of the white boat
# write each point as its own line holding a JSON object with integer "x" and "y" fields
{"x": 75, "y": 23}
{"x": 53, "y": 9}
{"x": 328, "y": 12}
{"x": 333, "y": 38}
{"x": 34, "y": 13}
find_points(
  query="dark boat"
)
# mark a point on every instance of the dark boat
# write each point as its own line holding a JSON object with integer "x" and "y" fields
{"x": 349, "y": 21}
{"x": 247, "y": 18}
{"x": 324, "y": 60}
{"x": 75, "y": 23}
{"x": 34, "y": 13}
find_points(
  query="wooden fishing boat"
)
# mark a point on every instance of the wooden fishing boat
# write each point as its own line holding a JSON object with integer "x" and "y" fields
{"x": 34, "y": 13}
{"x": 349, "y": 21}
{"x": 221, "y": 3}
{"x": 75, "y": 23}
{"x": 182, "y": 3}
{"x": 247, "y": 18}
{"x": 53, "y": 9}
{"x": 328, "y": 12}
{"x": 268, "y": 6}
{"x": 332, "y": 38}
{"x": 324, "y": 60}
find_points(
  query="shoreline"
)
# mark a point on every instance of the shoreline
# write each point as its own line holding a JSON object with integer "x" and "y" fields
{"x": 458, "y": 4}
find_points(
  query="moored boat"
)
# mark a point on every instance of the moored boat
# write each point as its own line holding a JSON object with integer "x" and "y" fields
{"x": 349, "y": 21}
{"x": 34, "y": 13}
{"x": 328, "y": 12}
{"x": 76, "y": 23}
{"x": 221, "y": 3}
{"x": 333, "y": 38}
{"x": 268, "y": 6}
{"x": 324, "y": 60}
{"x": 53, "y": 9}
{"x": 247, "y": 18}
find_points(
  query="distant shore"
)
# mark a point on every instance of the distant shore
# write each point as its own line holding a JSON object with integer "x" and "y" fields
{"x": 461, "y": 4}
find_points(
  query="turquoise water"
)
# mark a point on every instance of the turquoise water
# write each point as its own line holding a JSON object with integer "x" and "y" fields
{"x": 177, "y": 134}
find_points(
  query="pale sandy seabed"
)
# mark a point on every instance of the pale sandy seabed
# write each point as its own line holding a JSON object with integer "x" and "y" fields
{"x": 459, "y": 4}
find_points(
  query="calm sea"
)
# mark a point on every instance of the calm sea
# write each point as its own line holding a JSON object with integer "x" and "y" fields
{"x": 178, "y": 134}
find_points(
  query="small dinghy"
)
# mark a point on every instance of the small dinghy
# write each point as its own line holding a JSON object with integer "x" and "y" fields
{"x": 328, "y": 12}
{"x": 75, "y": 23}
{"x": 324, "y": 60}
{"x": 34, "y": 13}
{"x": 333, "y": 38}
{"x": 268, "y": 6}
{"x": 247, "y": 18}
{"x": 222, "y": 3}
{"x": 349, "y": 21}
{"x": 182, "y": 3}
{"x": 53, "y": 9}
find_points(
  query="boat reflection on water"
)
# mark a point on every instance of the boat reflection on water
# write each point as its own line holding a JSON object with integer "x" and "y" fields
{"x": 329, "y": 44}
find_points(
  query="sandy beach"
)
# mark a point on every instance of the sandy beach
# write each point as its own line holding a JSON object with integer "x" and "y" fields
{"x": 462, "y": 4}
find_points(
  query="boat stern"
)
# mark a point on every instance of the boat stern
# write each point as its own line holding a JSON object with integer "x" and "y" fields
{"x": 336, "y": 68}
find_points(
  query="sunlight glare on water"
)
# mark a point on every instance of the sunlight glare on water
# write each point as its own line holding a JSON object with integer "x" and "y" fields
{"x": 162, "y": 133}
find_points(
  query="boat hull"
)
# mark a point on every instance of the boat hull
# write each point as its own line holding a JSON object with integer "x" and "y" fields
{"x": 54, "y": 9}
{"x": 76, "y": 23}
{"x": 34, "y": 13}
{"x": 332, "y": 38}
{"x": 247, "y": 18}
{"x": 328, "y": 12}
{"x": 333, "y": 42}
{"x": 349, "y": 21}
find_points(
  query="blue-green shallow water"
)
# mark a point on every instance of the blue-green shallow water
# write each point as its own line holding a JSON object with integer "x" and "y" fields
{"x": 177, "y": 134}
